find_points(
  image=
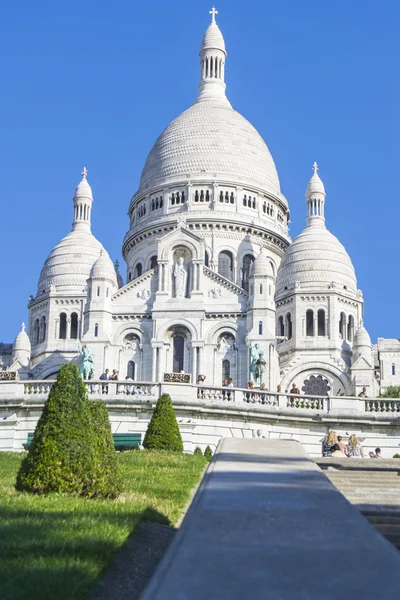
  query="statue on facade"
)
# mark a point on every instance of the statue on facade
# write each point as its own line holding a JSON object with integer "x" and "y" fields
{"x": 86, "y": 363}
{"x": 257, "y": 363}
{"x": 180, "y": 276}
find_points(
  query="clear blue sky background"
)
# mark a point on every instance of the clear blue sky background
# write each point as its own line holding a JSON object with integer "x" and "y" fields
{"x": 94, "y": 83}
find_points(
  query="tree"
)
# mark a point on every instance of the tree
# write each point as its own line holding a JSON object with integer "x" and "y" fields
{"x": 197, "y": 450}
{"x": 163, "y": 430}
{"x": 392, "y": 391}
{"x": 208, "y": 453}
{"x": 72, "y": 450}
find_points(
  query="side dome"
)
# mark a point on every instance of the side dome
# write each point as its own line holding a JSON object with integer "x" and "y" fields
{"x": 103, "y": 268}
{"x": 70, "y": 262}
{"x": 21, "y": 342}
{"x": 315, "y": 260}
{"x": 362, "y": 338}
{"x": 211, "y": 139}
{"x": 262, "y": 266}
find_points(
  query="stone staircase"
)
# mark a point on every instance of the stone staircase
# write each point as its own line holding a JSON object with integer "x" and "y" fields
{"x": 371, "y": 486}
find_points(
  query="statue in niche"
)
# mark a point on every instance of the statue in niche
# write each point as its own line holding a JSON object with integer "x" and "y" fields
{"x": 225, "y": 344}
{"x": 180, "y": 275}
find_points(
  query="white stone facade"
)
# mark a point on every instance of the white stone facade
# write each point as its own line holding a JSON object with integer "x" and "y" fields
{"x": 210, "y": 269}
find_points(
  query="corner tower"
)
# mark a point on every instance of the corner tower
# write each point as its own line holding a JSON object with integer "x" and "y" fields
{"x": 318, "y": 305}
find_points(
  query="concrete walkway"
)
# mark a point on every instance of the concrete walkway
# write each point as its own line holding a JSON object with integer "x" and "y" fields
{"x": 265, "y": 524}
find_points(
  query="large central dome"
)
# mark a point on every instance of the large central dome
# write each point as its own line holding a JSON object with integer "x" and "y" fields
{"x": 211, "y": 139}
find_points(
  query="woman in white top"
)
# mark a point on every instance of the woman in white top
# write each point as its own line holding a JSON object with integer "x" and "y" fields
{"x": 354, "y": 448}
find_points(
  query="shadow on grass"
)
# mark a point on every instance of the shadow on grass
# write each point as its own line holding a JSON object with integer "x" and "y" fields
{"x": 60, "y": 554}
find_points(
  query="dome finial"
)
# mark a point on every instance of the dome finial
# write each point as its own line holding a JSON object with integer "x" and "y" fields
{"x": 315, "y": 168}
{"x": 22, "y": 326}
{"x": 213, "y": 12}
{"x": 84, "y": 173}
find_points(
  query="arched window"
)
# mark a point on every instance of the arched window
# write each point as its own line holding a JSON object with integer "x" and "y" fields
{"x": 138, "y": 270}
{"x": 153, "y": 262}
{"x": 261, "y": 289}
{"x": 226, "y": 369}
{"x": 310, "y": 323}
{"x": 206, "y": 259}
{"x": 321, "y": 322}
{"x": 42, "y": 330}
{"x": 393, "y": 369}
{"x": 260, "y": 328}
{"x": 74, "y": 326}
{"x": 225, "y": 264}
{"x": 63, "y": 327}
{"x": 350, "y": 328}
{"x": 342, "y": 326}
{"x": 96, "y": 330}
{"x": 248, "y": 260}
{"x": 179, "y": 346}
{"x": 281, "y": 327}
{"x": 131, "y": 370}
{"x": 289, "y": 326}
{"x": 36, "y": 332}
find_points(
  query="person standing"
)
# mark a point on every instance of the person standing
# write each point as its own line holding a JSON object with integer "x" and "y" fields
{"x": 341, "y": 443}
{"x": 354, "y": 448}
{"x": 295, "y": 389}
{"x": 105, "y": 376}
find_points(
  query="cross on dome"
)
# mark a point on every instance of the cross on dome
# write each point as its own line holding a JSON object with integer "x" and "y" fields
{"x": 213, "y": 12}
{"x": 84, "y": 173}
{"x": 315, "y": 168}
{"x": 22, "y": 326}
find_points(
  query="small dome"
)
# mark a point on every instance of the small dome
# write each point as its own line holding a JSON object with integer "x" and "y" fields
{"x": 83, "y": 189}
{"x": 262, "y": 266}
{"x": 21, "y": 343}
{"x": 70, "y": 262}
{"x": 316, "y": 259}
{"x": 362, "y": 338}
{"x": 104, "y": 269}
{"x": 213, "y": 39}
{"x": 315, "y": 186}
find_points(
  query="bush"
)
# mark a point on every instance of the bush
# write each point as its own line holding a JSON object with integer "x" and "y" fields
{"x": 197, "y": 450}
{"x": 208, "y": 453}
{"x": 392, "y": 391}
{"x": 72, "y": 450}
{"x": 163, "y": 430}
{"x": 396, "y": 455}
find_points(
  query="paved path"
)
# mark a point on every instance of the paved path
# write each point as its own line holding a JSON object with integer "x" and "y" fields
{"x": 267, "y": 524}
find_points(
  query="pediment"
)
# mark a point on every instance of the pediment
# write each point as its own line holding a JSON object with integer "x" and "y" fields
{"x": 362, "y": 363}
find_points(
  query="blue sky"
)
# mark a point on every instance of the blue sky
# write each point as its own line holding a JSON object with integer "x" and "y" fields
{"x": 95, "y": 83}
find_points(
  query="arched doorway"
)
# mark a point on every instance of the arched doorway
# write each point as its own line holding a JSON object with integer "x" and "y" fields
{"x": 225, "y": 359}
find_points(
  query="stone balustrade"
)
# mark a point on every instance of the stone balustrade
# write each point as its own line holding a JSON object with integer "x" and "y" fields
{"x": 132, "y": 391}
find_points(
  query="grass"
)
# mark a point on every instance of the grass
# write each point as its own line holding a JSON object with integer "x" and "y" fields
{"x": 55, "y": 546}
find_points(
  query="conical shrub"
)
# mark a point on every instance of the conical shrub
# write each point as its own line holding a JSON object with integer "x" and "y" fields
{"x": 72, "y": 449}
{"x": 208, "y": 453}
{"x": 197, "y": 450}
{"x": 163, "y": 430}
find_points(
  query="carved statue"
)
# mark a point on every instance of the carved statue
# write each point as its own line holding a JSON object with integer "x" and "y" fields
{"x": 86, "y": 362}
{"x": 226, "y": 343}
{"x": 180, "y": 275}
{"x": 257, "y": 363}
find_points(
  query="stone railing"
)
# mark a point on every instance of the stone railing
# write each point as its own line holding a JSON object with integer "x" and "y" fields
{"x": 382, "y": 405}
{"x": 190, "y": 394}
{"x": 308, "y": 402}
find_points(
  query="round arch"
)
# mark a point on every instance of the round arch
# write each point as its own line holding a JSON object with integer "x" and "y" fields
{"x": 214, "y": 333}
{"x": 162, "y": 330}
{"x": 332, "y": 374}
{"x": 185, "y": 242}
{"x": 126, "y": 328}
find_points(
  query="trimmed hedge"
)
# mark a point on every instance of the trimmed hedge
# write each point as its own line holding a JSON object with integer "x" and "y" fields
{"x": 208, "y": 453}
{"x": 72, "y": 449}
{"x": 163, "y": 430}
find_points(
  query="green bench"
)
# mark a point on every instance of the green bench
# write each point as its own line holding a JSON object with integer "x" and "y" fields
{"x": 122, "y": 441}
{"x": 126, "y": 441}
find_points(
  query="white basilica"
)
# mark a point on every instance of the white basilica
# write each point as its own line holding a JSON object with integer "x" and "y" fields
{"x": 212, "y": 273}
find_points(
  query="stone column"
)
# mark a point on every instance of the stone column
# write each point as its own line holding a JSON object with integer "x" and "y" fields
{"x": 154, "y": 364}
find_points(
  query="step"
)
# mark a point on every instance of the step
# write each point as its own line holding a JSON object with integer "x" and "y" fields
{"x": 387, "y": 529}
{"x": 373, "y": 485}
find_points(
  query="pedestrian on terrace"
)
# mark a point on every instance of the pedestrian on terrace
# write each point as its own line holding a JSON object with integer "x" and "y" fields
{"x": 354, "y": 448}
{"x": 328, "y": 442}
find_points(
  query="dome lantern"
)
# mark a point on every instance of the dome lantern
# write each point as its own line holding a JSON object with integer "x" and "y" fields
{"x": 83, "y": 200}
{"x": 315, "y": 195}
{"x": 212, "y": 63}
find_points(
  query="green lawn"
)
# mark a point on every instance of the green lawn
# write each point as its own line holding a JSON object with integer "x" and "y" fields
{"x": 54, "y": 547}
